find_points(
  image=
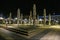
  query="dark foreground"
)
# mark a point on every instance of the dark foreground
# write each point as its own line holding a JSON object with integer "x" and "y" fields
{"x": 45, "y": 35}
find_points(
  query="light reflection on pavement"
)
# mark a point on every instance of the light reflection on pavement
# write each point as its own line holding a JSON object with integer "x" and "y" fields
{"x": 53, "y": 35}
{"x": 11, "y": 35}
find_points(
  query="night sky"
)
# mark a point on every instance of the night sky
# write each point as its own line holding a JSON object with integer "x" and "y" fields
{"x": 7, "y": 6}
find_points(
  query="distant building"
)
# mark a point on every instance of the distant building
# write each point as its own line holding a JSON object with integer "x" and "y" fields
{"x": 54, "y": 18}
{"x": 2, "y": 20}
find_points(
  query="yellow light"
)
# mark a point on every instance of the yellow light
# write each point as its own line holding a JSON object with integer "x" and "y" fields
{"x": 10, "y": 26}
{"x": 56, "y": 26}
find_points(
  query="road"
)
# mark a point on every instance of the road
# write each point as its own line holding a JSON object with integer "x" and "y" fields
{"x": 52, "y": 35}
{"x": 46, "y": 35}
{"x": 8, "y": 35}
{"x": 1, "y": 38}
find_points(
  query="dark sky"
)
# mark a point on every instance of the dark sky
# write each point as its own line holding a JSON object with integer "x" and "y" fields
{"x": 7, "y": 6}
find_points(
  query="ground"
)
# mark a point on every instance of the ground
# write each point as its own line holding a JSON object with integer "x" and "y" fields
{"x": 50, "y": 33}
